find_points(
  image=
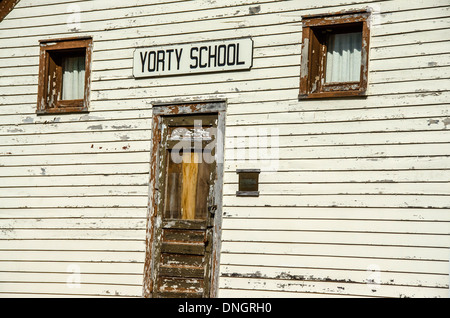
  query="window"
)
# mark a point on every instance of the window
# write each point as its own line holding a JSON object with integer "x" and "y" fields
{"x": 248, "y": 182}
{"x": 334, "y": 55}
{"x": 64, "y": 76}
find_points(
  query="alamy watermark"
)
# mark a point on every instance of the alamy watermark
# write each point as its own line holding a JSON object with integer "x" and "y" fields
{"x": 74, "y": 19}
{"x": 373, "y": 280}
{"x": 74, "y": 278}
{"x": 256, "y": 147}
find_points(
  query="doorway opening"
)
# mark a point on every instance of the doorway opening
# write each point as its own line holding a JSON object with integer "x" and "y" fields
{"x": 183, "y": 239}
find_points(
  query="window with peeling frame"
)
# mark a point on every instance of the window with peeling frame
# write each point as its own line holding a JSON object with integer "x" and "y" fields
{"x": 64, "y": 75}
{"x": 335, "y": 55}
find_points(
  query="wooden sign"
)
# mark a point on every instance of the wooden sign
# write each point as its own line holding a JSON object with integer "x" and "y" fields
{"x": 192, "y": 58}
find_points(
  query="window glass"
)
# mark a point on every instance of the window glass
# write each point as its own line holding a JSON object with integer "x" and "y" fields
{"x": 73, "y": 78}
{"x": 344, "y": 57}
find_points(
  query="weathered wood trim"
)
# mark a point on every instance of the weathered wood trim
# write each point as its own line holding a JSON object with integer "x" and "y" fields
{"x": 182, "y": 272}
{"x": 152, "y": 208}
{"x": 6, "y": 7}
{"x": 180, "y": 108}
{"x": 191, "y": 249}
{"x": 217, "y": 231}
{"x": 69, "y": 45}
{"x": 312, "y": 72}
{"x": 167, "y": 109}
{"x": 50, "y": 42}
{"x": 339, "y": 14}
{"x": 184, "y": 224}
{"x": 336, "y": 18}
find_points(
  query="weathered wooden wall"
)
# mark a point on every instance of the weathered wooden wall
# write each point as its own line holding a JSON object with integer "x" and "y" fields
{"x": 362, "y": 188}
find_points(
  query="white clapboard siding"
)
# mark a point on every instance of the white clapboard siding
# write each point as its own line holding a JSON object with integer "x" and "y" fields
{"x": 381, "y": 101}
{"x": 297, "y": 189}
{"x": 338, "y": 225}
{"x": 395, "y": 252}
{"x": 429, "y": 123}
{"x": 141, "y": 114}
{"x": 354, "y": 193}
{"x": 340, "y": 151}
{"x": 318, "y": 237}
{"x": 82, "y": 191}
{"x": 137, "y": 178}
{"x": 395, "y": 214}
{"x": 417, "y": 266}
{"x": 346, "y": 200}
{"x": 64, "y": 212}
{"x": 52, "y": 126}
{"x": 72, "y": 223}
{"x": 119, "y": 146}
{"x": 66, "y": 245}
{"x": 347, "y": 115}
{"x": 77, "y": 159}
{"x": 71, "y": 289}
{"x": 73, "y": 234}
{"x": 272, "y": 176}
{"x": 323, "y": 288}
{"x": 81, "y": 137}
{"x": 109, "y": 257}
{"x": 272, "y": 140}
{"x": 360, "y": 164}
{"x": 338, "y": 275}
{"x": 64, "y": 267}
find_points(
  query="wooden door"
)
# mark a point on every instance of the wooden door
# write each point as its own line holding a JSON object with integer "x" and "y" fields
{"x": 183, "y": 230}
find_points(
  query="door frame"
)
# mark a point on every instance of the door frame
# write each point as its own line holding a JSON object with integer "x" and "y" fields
{"x": 161, "y": 110}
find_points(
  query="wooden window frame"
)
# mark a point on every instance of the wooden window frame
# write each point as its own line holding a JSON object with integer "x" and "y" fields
{"x": 246, "y": 190}
{"x": 314, "y": 54}
{"x": 51, "y": 52}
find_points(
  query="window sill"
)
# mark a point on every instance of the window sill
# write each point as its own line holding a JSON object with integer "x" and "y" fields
{"x": 247, "y": 193}
{"x": 336, "y": 94}
{"x": 65, "y": 110}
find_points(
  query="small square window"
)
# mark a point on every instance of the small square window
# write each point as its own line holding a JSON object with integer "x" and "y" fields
{"x": 334, "y": 55}
{"x": 64, "y": 76}
{"x": 248, "y": 182}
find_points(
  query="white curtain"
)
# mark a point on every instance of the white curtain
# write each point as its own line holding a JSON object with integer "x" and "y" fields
{"x": 344, "y": 58}
{"x": 73, "y": 78}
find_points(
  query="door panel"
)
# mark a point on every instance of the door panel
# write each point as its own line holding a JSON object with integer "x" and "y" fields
{"x": 187, "y": 188}
{"x": 186, "y": 181}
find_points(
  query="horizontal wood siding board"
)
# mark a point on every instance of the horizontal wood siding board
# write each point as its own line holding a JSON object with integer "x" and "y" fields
{"x": 353, "y": 213}
{"x": 69, "y": 245}
{"x": 73, "y": 234}
{"x": 365, "y": 226}
{"x": 73, "y": 256}
{"x": 107, "y": 279}
{"x": 325, "y": 288}
{"x": 350, "y": 263}
{"x": 339, "y": 275}
{"x": 371, "y": 201}
{"x": 389, "y": 252}
{"x": 117, "y": 268}
{"x": 319, "y": 237}
{"x": 55, "y": 289}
